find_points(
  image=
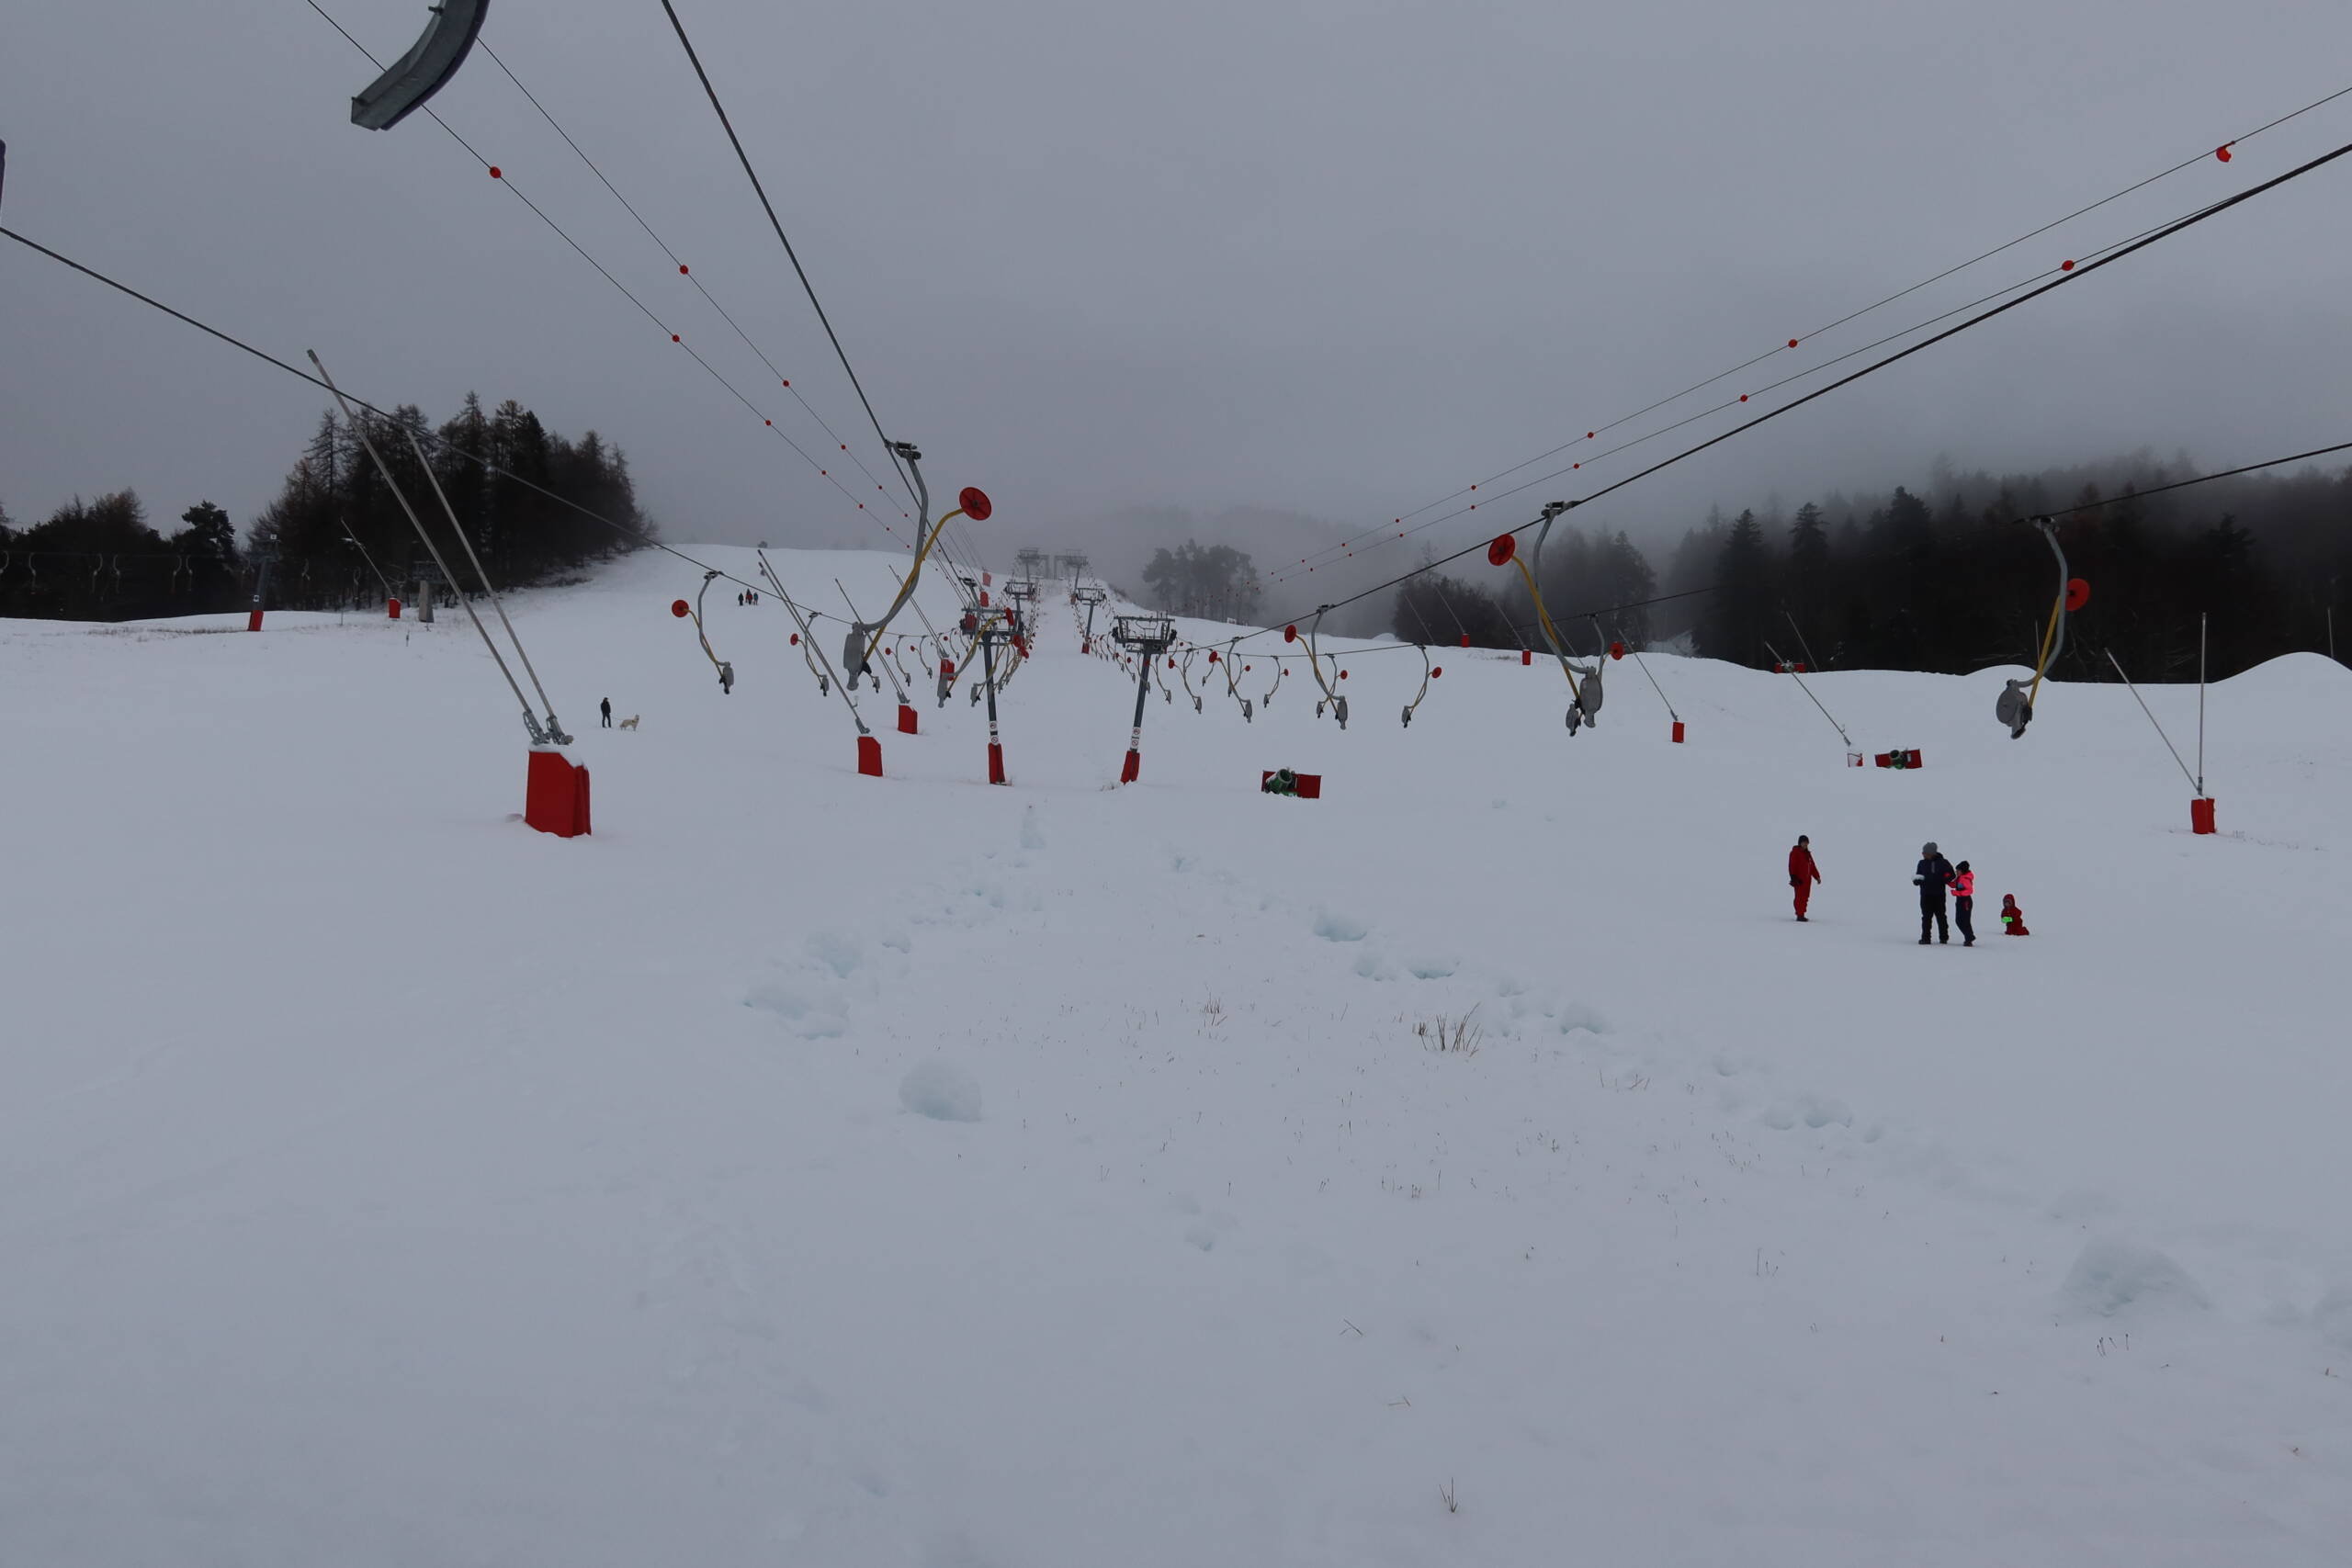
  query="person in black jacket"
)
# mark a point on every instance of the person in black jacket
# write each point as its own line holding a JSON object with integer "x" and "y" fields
{"x": 1934, "y": 875}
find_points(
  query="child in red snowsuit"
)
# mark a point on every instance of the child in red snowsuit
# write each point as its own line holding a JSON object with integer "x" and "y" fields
{"x": 1803, "y": 872}
{"x": 2012, "y": 918}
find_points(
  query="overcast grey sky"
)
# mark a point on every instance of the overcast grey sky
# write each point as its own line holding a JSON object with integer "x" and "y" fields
{"x": 1337, "y": 259}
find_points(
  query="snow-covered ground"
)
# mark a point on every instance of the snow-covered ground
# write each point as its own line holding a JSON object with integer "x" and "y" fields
{"x": 808, "y": 1168}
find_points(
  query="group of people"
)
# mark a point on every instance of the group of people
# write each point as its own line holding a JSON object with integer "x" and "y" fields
{"x": 748, "y": 596}
{"x": 1935, "y": 878}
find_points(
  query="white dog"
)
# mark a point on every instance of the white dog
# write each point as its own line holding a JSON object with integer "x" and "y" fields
{"x": 630, "y": 723}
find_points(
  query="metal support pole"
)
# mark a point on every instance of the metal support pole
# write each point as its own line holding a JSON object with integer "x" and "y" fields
{"x": 2200, "y": 705}
{"x": 1802, "y": 647}
{"x": 809, "y": 641}
{"x": 2152, "y": 720}
{"x": 530, "y": 720}
{"x": 555, "y": 729}
{"x": 988, "y": 674}
{"x": 1808, "y": 692}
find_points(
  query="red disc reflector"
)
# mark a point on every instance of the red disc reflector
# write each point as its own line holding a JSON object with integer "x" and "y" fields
{"x": 1343, "y": 674}
{"x": 2223, "y": 152}
{"x": 2066, "y": 266}
{"x": 496, "y": 173}
{"x": 1743, "y": 397}
{"x": 1587, "y": 435}
{"x": 1505, "y": 546}
{"x": 2078, "y": 593}
{"x": 787, "y": 383}
{"x": 1171, "y": 664}
{"x": 1792, "y": 342}
{"x": 1290, "y": 634}
{"x": 674, "y": 337}
{"x": 1616, "y": 650}
{"x": 681, "y": 269}
{"x": 1246, "y": 668}
{"x": 975, "y": 503}
{"x": 678, "y": 607}
{"x": 771, "y": 424}
{"x": 1437, "y": 671}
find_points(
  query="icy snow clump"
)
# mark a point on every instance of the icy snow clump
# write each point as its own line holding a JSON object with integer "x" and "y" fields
{"x": 2112, "y": 1275}
{"x": 941, "y": 1091}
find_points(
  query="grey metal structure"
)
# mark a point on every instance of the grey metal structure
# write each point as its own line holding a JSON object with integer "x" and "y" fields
{"x": 1147, "y": 637}
{"x": 1089, "y": 597}
{"x": 425, "y": 69}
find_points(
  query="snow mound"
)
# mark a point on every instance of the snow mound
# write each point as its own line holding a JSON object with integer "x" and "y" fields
{"x": 1333, "y": 927}
{"x": 941, "y": 1091}
{"x": 2111, "y": 1276}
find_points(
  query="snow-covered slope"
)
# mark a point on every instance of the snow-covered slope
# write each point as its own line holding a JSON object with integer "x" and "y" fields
{"x": 808, "y": 1168}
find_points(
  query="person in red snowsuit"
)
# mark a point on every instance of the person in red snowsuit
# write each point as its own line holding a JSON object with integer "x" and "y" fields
{"x": 1803, "y": 872}
{"x": 2012, "y": 918}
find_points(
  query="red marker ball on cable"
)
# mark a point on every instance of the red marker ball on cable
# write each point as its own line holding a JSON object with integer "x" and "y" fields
{"x": 496, "y": 173}
{"x": 2066, "y": 266}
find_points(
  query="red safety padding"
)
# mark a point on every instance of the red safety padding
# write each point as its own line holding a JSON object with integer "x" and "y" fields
{"x": 555, "y": 796}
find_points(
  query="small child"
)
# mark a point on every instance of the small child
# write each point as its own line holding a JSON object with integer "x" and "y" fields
{"x": 1963, "y": 906}
{"x": 2012, "y": 918}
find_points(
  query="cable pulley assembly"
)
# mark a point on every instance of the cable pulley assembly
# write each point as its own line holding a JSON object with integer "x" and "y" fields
{"x": 1584, "y": 700}
{"x": 425, "y": 69}
{"x": 2014, "y": 706}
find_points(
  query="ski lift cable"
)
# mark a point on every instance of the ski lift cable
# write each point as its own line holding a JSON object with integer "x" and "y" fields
{"x": 2221, "y": 152}
{"x": 642, "y": 539}
{"x": 1626, "y": 445}
{"x": 711, "y": 91}
{"x": 497, "y": 172}
{"x": 693, "y": 277}
{"x": 2075, "y": 275}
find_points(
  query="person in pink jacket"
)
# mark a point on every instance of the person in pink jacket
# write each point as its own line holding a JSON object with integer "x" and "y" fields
{"x": 1963, "y": 904}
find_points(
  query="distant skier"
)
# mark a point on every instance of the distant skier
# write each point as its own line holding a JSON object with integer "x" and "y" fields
{"x": 608, "y": 706}
{"x": 1932, "y": 877}
{"x": 2012, "y": 918}
{"x": 1803, "y": 872}
{"x": 1963, "y": 904}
